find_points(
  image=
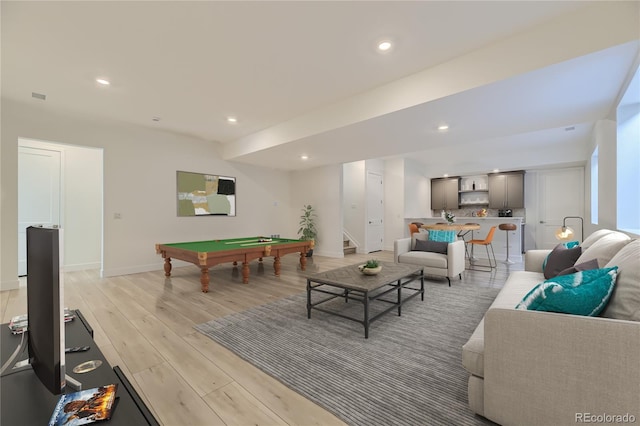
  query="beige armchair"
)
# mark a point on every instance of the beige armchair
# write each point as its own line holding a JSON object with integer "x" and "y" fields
{"x": 447, "y": 264}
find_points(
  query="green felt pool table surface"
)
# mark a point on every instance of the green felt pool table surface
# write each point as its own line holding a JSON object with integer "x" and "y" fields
{"x": 228, "y": 244}
{"x": 206, "y": 254}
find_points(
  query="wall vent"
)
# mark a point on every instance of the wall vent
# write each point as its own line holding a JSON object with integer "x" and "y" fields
{"x": 38, "y": 96}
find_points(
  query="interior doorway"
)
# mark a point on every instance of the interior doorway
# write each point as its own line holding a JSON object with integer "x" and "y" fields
{"x": 62, "y": 185}
{"x": 375, "y": 212}
{"x": 560, "y": 194}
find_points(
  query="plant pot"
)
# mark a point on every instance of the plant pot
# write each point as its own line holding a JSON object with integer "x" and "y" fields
{"x": 370, "y": 271}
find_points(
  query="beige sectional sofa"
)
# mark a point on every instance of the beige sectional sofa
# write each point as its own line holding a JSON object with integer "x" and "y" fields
{"x": 542, "y": 368}
{"x": 449, "y": 265}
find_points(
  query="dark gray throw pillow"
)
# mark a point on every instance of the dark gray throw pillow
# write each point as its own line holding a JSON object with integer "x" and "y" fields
{"x": 432, "y": 246}
{"x": 560, "y": 259}
{"x": 584, "y": 266}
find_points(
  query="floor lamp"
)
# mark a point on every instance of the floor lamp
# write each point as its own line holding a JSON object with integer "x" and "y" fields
{"x": 566, "y": 233}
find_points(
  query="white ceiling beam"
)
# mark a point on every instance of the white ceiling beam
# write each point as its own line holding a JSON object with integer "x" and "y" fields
{"x": 594, "y": 28}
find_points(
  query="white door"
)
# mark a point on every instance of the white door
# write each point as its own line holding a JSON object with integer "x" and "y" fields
{"x": 560, "y": 194}
{"x": 38, "y": 194}
{"x": 375, "y": 212}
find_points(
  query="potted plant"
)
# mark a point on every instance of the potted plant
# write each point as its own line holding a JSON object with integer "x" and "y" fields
{"x": 372, "y": 267}
{"x": 307, "y": 229}
{"x": 450, "y": 217}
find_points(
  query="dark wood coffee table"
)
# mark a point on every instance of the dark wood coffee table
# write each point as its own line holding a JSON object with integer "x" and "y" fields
{"x": 351, "y": 284}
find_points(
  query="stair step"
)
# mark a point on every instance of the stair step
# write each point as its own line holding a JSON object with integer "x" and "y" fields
{"x": 349, "y": 250}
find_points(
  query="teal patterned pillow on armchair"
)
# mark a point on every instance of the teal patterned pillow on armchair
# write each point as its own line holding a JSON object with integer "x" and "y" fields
{"x": 443, "y": 236}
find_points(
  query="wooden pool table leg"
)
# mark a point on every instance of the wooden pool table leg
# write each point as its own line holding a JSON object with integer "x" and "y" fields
{"x": 245, "y": 272}
{"x": 204, "y": 279}
{"x": 167, "y": 266}
{"x": 303, "y": 261}
{"x": 276, "y": 265}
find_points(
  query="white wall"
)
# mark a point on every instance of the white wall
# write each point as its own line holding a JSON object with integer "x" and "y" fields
{"x": 353, "y": 200}
{"x": 140, "y": 167}
{"x": 417, "y": 188}
{"x": 604, "y": 136}
{"x": 322, "y": 188}
{"x": 394, "y": 205}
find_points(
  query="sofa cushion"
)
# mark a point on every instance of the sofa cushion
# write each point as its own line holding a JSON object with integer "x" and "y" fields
{"x": 424, "y": 258}
{"x": 605, "y": 248}
{"x": 586, "y": 266}
{"x": 625, "y": 300}
{"x": 582, "y": 293}
{"x": 432, "y": 246}
{"x": 446, "y": 236}
{"x": 561, "y": 258}
{"x": 588, "y": 242}
{"x": 517, "y": 285}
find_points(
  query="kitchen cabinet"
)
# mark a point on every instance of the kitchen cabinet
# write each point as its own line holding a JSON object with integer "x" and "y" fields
{"x": 506, "y": 190}
{"x": 444, "y": 194}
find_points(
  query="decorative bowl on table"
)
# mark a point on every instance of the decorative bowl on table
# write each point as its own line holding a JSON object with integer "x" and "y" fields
{"x": 372, "y": 267}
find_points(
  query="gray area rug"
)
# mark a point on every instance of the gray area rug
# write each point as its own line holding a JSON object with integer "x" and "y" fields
{"x": 409, "y": 371}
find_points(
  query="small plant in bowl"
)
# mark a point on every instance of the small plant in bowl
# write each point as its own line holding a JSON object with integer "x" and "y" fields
{"x": 372, "y": 267}
{"x": 371, "y": 263}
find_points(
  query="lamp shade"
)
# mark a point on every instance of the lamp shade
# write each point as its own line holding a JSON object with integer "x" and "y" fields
{"x": 564, "y": 233}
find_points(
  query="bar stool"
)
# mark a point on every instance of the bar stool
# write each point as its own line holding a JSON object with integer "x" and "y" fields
{"x": 413, "y": 228}
{"x": 462, "y": 234}
{"x": 508, "y": 227}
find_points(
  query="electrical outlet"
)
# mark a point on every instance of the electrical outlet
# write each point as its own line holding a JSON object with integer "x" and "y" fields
{"x": 117, "y": 216}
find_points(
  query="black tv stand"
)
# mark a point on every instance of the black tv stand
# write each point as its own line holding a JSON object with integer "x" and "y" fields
{"x": 24, "y": 400}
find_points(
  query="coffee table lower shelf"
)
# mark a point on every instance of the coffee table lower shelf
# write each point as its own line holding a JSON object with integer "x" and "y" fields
{"x": 348, "y": 283}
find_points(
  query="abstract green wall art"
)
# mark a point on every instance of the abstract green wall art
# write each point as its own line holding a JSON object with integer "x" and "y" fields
{"x": 205, "y": 195}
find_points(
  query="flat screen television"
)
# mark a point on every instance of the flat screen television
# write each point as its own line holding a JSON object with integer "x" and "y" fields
{"x": 45, "y": 307}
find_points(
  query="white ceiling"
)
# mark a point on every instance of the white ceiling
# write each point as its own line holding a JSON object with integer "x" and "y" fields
{"x": 194, "y": 63}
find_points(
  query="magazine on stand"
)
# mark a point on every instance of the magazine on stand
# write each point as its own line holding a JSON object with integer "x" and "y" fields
{"x": 85, "y": 406}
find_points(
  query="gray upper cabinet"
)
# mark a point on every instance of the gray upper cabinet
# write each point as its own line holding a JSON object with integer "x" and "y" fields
{"x": 444, "y": 194}
{"x": 506, "y": 190}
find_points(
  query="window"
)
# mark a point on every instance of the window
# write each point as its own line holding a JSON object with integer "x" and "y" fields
{"x": 628, "y": 158}
{"x": 594, "y": 186}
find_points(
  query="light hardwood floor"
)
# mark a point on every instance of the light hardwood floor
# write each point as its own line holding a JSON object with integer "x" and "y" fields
{"x": 144, "y": 323}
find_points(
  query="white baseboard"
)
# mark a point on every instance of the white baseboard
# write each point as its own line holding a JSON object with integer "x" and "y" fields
{"x": 82, "y": 266}
{"x": 326, "y": 253}
{"x": 9, "y": 285}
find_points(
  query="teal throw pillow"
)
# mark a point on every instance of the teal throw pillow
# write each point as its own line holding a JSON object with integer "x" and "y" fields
{"x": 443, "y": 236}
{"x": 583, "y": 293}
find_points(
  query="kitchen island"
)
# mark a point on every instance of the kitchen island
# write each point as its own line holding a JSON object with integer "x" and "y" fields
{"x": 499, "y": 238}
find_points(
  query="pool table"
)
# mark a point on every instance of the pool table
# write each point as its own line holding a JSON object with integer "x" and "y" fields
{"x": 206, "y": 254}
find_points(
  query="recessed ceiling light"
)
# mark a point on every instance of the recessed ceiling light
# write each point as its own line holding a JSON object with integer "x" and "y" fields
{"x": 496, "y": 170}
{"x": 304, "y": 157}
{"x": 446, "y": 175}
{"x": 384, "y": 46}
{"x": 232, "y": 120}
{"x": 443, "y": 127}
{"x": 103, "y": 81}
